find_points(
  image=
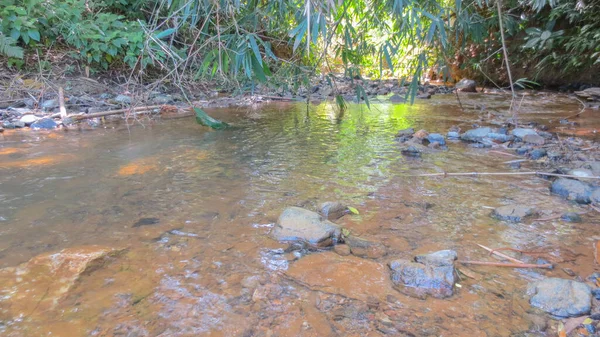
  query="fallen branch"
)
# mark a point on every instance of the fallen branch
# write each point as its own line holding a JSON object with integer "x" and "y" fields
{"x": 509, "y": 265}
{"x": 493, "y": 252}
{"x": 474, "y": 174}
{"x": 514, "y": 161}
{"x": 61, "y": 103}
{"x": 521, "y": 251}
{"x": 278, "y": 98}
{"x": 137, "y": 110}
{"x": 504, "y": 153}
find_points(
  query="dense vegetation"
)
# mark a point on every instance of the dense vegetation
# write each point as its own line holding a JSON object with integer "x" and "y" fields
{"x": 237, "y": 42}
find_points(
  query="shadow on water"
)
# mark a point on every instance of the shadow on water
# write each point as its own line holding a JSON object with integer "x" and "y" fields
{"x": 194, "y": 207}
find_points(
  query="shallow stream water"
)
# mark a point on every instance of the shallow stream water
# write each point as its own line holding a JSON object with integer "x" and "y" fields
{"x": 191, "y": 209}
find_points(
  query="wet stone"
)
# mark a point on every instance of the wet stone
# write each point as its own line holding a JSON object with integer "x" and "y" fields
{"x": 146, "y": 222}
{"x": 523, "y": 150}
{"x": 453, "y": 135}
{"x": 522, "y": 132}
{"x": 580, "y": 172}
{"x": 333, "y": 210}
{"x": 466, "y": 85}
{"x": 513, "y": 213}
{"x": 561, "y": 297}
{"x": 421, "y": 280}
{"x": 50, "y": 104}
{"x": 571, "y": 217}
{"x": 411, "y": 151}
{"x": 534, "y": 139}
{"x": 436, "y": 137}
{"x": 571, "y": 189}
{"x": 595, "y": 197}
{"x": 123, "y": 99}
{"x": 501, "y": 137}
{"x": 364, "y": 248}
{"x": 474, "y": 135}
{"x": 440, "y": 258}
{"x": 343, "y": 250}
{"x": 395, "y": 98}
{"x": 44, "y": 124}
{"x": 298, "y": 224}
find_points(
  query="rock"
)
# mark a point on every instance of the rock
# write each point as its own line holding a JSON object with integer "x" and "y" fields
{"x": 406, "y": 133}
{"x": 395, "y": 98}
{"x": 146, "y": 222}
{"x": 28, "y": 119}
{"x": 572, "y": 190}
{"x": 501, "y": 137}
{"x": 436, "y": 137}
{"x": 421, "y": 280}
{"x": 591, "y": 94}
{"x": 123, "y": 99}
{"x": 595, "y": 167}
{"x": 523, "y": 150}
{"x": 383, "y": 91}
{"x": 333, "y": 210}
{"x": 50, "y": 104}
{"x": 364, "y": 248}
{"x": 580, "y": 172}
{"x": 162, "y": 99}
{"x": 343, "y": 250}
{"x": 560, "y": 297}
{"x": 453, "y": 135}
{"x": 537, "y": 154}
{"x": 424, "y": 96}
{"x": 440, "y": 258}
{"x": 595, "y": 196}
{"x": 466, "y": 85}
{"x": 44, "y": 124}
{"x": 513, "y": 213}
{"x": 39, "y": 284}
{"x": 348, "y": 276}
{"x": 522, "y": 132}
{"x": 421, "y": 134}
{"x": 299, "y": 224}
{"x": 475, "y": 135}
{"x": 411, "y": 151}
{"x": 571, "y": 217}
{"x": 534, "y": 139}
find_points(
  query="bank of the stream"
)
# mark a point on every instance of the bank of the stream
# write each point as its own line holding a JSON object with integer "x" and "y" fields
{"x": 167, "y": 228}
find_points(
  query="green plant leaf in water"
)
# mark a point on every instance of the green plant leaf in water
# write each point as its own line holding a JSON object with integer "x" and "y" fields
{"x": 353, "y": 210}
{"x": 204, "y": 119}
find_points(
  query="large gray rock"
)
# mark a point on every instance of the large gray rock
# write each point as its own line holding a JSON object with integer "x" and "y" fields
{"x": 572, "y": 190}
{"x": 475, "y": 135}
{"x": 513, "y": 213}
{"x": 595, "y": 196}
{"x": 560, "y": 297}
{"x": 44, "y": 124}
{"x": 365, "y": 248}
{"x": 466, "y": 85}
{"x": 522, "y": 132}
{"x": 591, "y": 94}
{"x": 299, "y": 224}
{"x": 432, "y": 274}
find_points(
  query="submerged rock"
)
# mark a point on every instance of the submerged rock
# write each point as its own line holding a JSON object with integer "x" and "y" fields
{"x": 475, "y": 135}
{"x": 365, "y": 248}
{"x": 299, "y": 224}
{"x": 348, "y": 276}
{"x": 333, "y": 210}
{"x": 513, "y": 213}
{"x": 395, "y": 98}
{"x": 560, "y": 297}
{"x": 580, "y": 172}
{"x": 571, "y": 217}
{"x": 433, "y": 274}
{"x": 536, "y": 154}
{"x": 466, "y": 85}
{"x": 572, "y": 189}
{"x": 39, "y": 284}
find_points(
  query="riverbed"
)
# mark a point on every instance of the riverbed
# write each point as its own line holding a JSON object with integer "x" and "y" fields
{"x": 186, "y": 213}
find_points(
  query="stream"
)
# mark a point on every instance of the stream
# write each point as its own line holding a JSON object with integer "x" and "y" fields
{"x": 178, "y": 220}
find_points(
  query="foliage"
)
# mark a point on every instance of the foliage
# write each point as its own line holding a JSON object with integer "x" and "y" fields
{"x": 8, "y": 47}
{"x": 285, "y": 42}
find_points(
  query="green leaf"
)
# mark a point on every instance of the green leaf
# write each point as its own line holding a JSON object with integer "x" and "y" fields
{"x": 34, "y": 35}
{"x": 255, "y": 49}
{"x": 345, "y": 232}
{"x": 165, "y": 33}
{"x": 353, "y": 210}
{"x": 204, "y": 119}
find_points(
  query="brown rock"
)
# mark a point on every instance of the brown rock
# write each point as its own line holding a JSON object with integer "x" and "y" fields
{"x": 345, "y": 275}
{"x": 421, "y": 134}
{"x": 343, "y": 250}
{"x": 39, "y": 284}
